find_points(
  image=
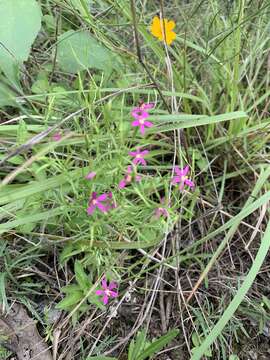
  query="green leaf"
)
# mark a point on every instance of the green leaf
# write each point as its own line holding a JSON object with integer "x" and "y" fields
{"x": 3, "y": 297}
{"x": 30, "y": 218}
{"x": 22, "y": 133}
{"x": 19, "y": 26}
{"x": 41, "y": 85}
{"x": 7, "y": 96}
{"x": 69, "y": 289}
{"x": 234, "y": 357}
{"x": 81, "y": 277}
{"x": 158, "y": 344}
{"x": 77, "y": 4}
{"x": 137, "y": 346}
{"x": 266, "y": 301}
{"x": 173, "y": 122}
{"x": 79, "y": 51}
{"x": 69, "y": 300}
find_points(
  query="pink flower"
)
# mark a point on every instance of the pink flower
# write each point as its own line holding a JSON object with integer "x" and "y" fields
{"x": 140, "y": 113}
{"x": 161, "y": 212}
{"x": 139, "y": 156}
{"x": 182, "y": 178}
{"x": 140, "y": 116}
{"x": 110, "y": 204}
{"x": 128, "y": 178}
{"x": 91, "y": 175}
{"x": 107, "y": 291}
{"x": 57, "y": 136}
{"x": 96, "y": 202}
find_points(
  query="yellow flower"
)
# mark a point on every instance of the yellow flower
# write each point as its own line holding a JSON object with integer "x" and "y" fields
{"x": 157, "y": 29}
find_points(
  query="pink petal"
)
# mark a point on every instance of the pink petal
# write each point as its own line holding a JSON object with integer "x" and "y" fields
{"x": 148, "y": 124}
{"x": 90, "y": 209}
{"x": 176, "y": 179}
{"x": 129, "y": 169}
{"x": 182, "y": 185}
{"x": 105, "y": 299}
{"x": 136, "y": 161}
{"x": 135, "y": 123}
{"x": 138, "y": 178}
{"x": 114, "y": 205}
{"x": 157, "y": 213}
{"x": 122, "y": 184}
{"x": 189, "y": 183}
{"x": 178, "y": 171}
{"x": 133, "y": 153}
{"x": 136, "y": 109}
{"x": 102, "y": 197}
{"x": 112, "y": 285}
{"x": 104, "y": 284}
{"x": 165, "y": 212}
{"x": 99, "y": 292}
{"x": 148, "y": 106}
{"x": 102, "y": 208}
{"x": 143, "y": 162}
{"x": 94, "y": 196}
{"x": 114, "y": 294}
{"x": 185, "y": 170}
{"x": 142, "y": 129}
{"x": 139, "y": 114}
{"x": 144, "y": 152}
{"x": 91, "y": 175}
{"x": 57, "y": 137}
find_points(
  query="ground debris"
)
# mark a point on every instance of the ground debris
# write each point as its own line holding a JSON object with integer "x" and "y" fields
{"x": 19, "y": 334}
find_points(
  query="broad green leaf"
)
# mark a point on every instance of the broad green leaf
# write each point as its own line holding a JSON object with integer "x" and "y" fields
{"x": 7, "y": 97}
{"x": 158, "y": 344}
{"x": 41, "y": 85}
{"x": 69, "y": 289}
{"x": 136, "y": 346}
{"x": 81, "y": 277}
{"x": 79, "y": 51}
{"x": 19, "y": 26}
{"x": 69, "y": 300}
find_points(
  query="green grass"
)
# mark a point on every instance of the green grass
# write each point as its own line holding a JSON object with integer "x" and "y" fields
{"x": 194, "y": 267}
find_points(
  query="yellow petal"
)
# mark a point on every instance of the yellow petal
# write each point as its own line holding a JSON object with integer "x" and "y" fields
{"x": 155, "y": 27}
{"x": 170, "y": 36}
{"x": 170, "y": 25}
{"x": 156, "y": 21}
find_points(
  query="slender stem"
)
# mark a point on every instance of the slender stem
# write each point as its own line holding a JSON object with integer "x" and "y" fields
{"x": 139, "y": 54}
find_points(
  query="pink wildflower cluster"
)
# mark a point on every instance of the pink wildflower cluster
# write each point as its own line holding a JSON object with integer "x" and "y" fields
{"x": 104, "y": 202}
